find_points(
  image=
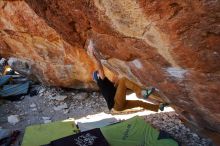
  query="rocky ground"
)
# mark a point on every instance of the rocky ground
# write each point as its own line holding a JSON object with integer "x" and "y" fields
{"x": 52, "y": 104}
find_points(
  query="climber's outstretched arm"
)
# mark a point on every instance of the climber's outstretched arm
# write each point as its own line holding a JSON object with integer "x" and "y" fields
{"x": 100, "y": 67}
{"x": 94, "y": 55}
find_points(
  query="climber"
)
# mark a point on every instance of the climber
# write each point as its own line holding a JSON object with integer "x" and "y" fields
{"x": 115, "y": 92}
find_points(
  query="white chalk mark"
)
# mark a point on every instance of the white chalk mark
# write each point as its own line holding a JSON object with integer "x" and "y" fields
{"x": 176, "y": 72}
{"x": 137, "y": 63}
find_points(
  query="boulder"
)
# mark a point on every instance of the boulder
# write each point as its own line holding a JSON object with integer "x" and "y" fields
{"x": 172, "y": 45}
{"x": 39, "y": 50}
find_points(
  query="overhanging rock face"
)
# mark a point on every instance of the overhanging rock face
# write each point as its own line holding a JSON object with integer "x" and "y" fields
{"x": 174, "y": 46}
{"x": 52, "y": 60}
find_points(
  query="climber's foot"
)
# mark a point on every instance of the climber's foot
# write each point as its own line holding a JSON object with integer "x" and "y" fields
{"x": 147, "y": 92}
{"x": 162, "y": 106}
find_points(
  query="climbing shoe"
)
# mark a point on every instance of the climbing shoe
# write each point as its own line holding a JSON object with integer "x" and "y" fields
{"x": 148, "y": 92}
{"x": 162, "y": 106}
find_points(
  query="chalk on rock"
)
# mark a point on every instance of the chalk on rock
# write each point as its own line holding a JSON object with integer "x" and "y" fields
{"x": 13, "y": 119}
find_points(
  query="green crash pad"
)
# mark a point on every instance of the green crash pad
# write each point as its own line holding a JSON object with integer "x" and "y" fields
{"x": 42, "y": 134}
{"x": 134, "y": 132}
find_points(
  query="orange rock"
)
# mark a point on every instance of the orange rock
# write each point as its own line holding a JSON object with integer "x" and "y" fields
{"x": 52, "y": 60}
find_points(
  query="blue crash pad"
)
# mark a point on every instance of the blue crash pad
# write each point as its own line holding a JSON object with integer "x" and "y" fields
{"x": 14, "y": 90}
